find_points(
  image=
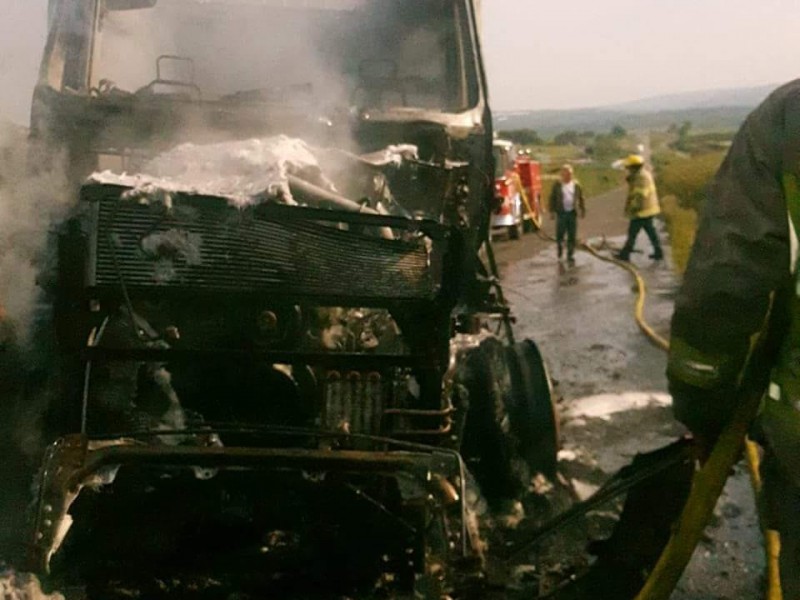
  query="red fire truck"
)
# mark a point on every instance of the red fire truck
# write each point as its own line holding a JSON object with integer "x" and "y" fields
{"x": 518, "y": 189}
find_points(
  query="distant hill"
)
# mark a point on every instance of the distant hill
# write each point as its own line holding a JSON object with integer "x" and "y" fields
{"x": 746, "y": 97}
{"x": 708, "y": 110}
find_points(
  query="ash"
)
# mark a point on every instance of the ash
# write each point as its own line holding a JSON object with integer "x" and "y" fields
{"x": 18, "y": 586}
{"x": 245, "y": 172}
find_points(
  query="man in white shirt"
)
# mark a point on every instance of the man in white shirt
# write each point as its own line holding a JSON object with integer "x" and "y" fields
{"x": 566, "y": 202}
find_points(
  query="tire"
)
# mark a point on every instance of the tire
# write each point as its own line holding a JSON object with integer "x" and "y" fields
{"x": 511, "y": 430}
{"x": 529, "y": 225}
{"x": 532, "y": 413}
{"x": 487, "y": 445}
{"x": 515, "y": 231}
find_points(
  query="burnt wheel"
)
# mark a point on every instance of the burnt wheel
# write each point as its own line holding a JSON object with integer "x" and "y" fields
{"x": 488, "y": 446}
{"x": 532, "y": 413}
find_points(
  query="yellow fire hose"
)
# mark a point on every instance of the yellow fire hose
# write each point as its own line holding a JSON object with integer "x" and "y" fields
{"x": 536, "y": 217}
{"x": 709, "y": 481}
{"x": 641, "y": 296}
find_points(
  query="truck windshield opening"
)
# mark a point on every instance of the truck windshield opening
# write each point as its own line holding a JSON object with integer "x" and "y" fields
{"x": 375, "y": 54}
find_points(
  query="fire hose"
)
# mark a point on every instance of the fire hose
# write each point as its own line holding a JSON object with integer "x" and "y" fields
{"x": 709, "y": 481}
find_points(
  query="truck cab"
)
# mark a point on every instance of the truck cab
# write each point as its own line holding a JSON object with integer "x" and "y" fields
{"x": 278, "y": 335}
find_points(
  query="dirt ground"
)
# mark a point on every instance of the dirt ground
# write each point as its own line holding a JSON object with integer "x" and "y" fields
{"x": 613, "y": 399}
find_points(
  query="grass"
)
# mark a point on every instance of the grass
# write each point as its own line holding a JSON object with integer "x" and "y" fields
{"x": 596, "y": 177}
{"x": 682, "y": 182}
{"x": 557, "y": 155}
{"x": 681, "y": 227}
{"x": 687, "y": 176}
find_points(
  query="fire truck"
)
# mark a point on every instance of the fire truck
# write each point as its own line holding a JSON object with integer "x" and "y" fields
{"x": 518, "y": 190}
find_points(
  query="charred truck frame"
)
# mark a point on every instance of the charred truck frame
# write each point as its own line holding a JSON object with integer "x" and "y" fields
{"x": 283, "y": 389}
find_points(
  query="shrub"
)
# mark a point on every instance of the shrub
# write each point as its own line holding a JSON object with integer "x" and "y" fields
{"x": 526, "y": 137}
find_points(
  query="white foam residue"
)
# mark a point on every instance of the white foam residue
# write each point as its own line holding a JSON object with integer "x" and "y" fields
{"x": 567, "y": 455}
{"x": 17, "y": 586}
{"x": 393, "y": 155}
{"x": 583, "y": 490}
{"x": 173, "y": 243}
{"x": 603, "y": 406}
{"x": 165, "y": 247}
{"x": 244, "y": 172}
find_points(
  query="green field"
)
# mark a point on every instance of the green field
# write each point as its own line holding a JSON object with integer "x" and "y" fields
{"x": 681, "y": 226}
{"x": 683, "y": 178}
{"x": 596, "y": 177}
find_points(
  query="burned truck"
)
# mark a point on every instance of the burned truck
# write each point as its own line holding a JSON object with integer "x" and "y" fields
{"x": 284, "y": 353}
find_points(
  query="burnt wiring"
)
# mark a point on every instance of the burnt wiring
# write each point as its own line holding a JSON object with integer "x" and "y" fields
{"x": 95, "y": 337}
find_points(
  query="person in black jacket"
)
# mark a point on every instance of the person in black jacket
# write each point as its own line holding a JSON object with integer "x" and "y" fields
{"x": 737, "y": 316}
{"x": 566, "y": 202}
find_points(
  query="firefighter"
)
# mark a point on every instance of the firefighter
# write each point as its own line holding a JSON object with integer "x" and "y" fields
{"x": 641, "y": 206}
{"x": 739, "y": 306}
{"x": 567, "y": 201}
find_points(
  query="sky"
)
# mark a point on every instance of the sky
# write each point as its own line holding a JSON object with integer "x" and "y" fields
{"x": 568, "y": 54}
{"x": 583, "y": 53}
{"x": 22, "y": 35}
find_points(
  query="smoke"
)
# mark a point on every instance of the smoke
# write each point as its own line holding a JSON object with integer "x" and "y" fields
{"x": 33, "y": 199}
{"x": 22, "y": 36}
{"x": 239, "y": 48}
{"x": 266, "y": 50}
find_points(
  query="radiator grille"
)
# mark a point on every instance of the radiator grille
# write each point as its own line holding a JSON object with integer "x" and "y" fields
{"x": 239, "y": 251}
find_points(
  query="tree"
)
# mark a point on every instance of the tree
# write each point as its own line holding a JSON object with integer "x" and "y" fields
{"x": 618, "y": 132}
{"x": 525, "y": 137}
{"x": 567, "y": 138}
{"x": 683, "y": 136}
{"x": 605, "y": 147}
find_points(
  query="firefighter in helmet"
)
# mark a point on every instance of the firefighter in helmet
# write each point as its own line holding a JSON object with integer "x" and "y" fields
{"x": 641, "y": 207}
{"x": 739, "y": 305}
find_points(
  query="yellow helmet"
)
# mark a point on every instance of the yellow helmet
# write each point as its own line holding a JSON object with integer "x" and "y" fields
{"x": 633, "y": 160}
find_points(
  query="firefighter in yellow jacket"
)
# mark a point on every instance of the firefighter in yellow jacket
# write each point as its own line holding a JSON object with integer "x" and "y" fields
{"x": 641, "y": 207}
{"x": 737, "y": 315}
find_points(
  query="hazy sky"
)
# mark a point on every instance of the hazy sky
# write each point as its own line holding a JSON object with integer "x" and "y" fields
{"x": 553, "y": 54}
{"x": 579, "y": 53}
{"x": 22, "y": 33}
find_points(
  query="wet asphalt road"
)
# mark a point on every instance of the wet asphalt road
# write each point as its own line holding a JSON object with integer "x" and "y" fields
{"x": 611, "y": 386}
